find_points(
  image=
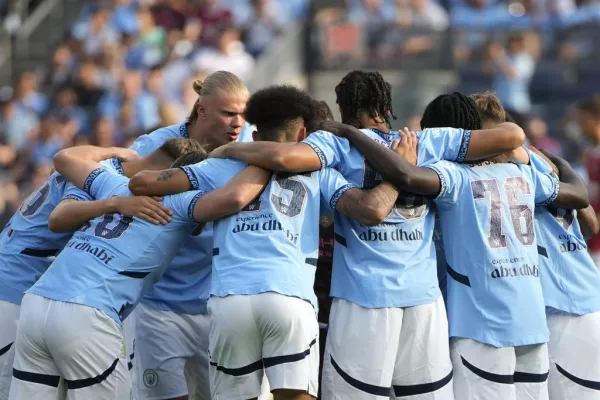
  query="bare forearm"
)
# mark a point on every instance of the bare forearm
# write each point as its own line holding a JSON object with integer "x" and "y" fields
{"x": 69, "y": 216}
{"x": 573, "y": 192}
{"x": 389, "y": 164}
{"x": 492, "y": 142}
{"x": 287, "y": 157}
{"x": 369, "y": 207}
{"x": 394, "y": 168}
{"x": 234, "y": 196}
{"x": 159, "y": 183}
{"x": 588, "y": 222}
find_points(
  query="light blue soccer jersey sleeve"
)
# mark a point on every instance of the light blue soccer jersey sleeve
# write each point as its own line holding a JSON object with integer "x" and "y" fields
{"x": 74, "y": 193}
{"x": 333, "y": 186}
{"x": 183, "y": 204}
{"x": 102, "y": 184}
{"x": 146, "y": 144}
{"x": 328, "y": 147}
{"x": 546, "y": 185}
{"x": 452, "y": 182}
{"x": 212, "y": 173}
{"x": 437, "y": 144}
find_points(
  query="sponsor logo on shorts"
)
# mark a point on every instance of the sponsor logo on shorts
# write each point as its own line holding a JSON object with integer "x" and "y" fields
{"x": 150, "y": 378}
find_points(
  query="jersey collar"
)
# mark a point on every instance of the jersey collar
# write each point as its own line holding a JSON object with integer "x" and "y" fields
{"x": 382, "y": 134}
{"x": 118, "y": 166}
{"x": 183, "y": 131}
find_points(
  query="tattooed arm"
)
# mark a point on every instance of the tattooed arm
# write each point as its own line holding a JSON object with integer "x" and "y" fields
{"x": 369, "y": 207}
{"x": 160, "y": 183}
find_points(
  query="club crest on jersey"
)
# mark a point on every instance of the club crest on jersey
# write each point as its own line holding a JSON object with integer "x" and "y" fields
{"x": 150, "y": 378}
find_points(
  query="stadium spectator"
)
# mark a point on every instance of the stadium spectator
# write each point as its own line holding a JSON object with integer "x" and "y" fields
{"x": 17, "y": 123}
{"x": 229, "y": 55}
{"x": 589, "y": 121}
{"x": 212, "y": 14}
{"x": 264, "y": 22}
{"x": 512, "y": 69}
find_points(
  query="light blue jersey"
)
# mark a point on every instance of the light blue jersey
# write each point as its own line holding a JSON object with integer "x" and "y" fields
{"x": 27, "y": 246}
{"x": 273, "y": 244}
{"x": 184, "y": 288}
{"x": 116, "y": 258}
{"x": 569, "y": 276}
{"x": 486, "y": 216}
{"x": 392, "y": 264}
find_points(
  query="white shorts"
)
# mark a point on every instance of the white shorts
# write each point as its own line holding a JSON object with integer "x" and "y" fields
{"x": 129, "y": 334}
{"x": 387, "y": 353}
{"x": 9, "y": 318}
{"x": 574, "y": 350}
{"x": 484, "y": 372}
{"x": 269, "y": 330}
{"x": 81, "y": 344}
{"x": 172, "y": 354}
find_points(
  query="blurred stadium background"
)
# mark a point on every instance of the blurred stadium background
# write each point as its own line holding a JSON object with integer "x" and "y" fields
{"x": 104, "y": 72}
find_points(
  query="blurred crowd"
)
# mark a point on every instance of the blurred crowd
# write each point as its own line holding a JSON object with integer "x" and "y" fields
{"x": 392, "y": 28}
{"x": 125, "y": 68}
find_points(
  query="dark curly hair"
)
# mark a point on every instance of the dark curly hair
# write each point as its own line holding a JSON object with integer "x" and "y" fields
{"x": 275, "y": 110}
{"x": 454, "y": 110}
{"x": 361, "y": 91}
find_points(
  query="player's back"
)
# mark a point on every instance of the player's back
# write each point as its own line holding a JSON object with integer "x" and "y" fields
{"x": 486, "y": 215}
{"x": 392, "y": 264}
{"x": 272, "y": 245}
{"x": 569, "y": 276}
{"x": 113, "y": 259}
{"x": 27, "y": 246}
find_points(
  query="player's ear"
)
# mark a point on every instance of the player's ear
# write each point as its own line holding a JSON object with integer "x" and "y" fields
{"x": 200, "y": 109}
{"x": 255, "y": 136}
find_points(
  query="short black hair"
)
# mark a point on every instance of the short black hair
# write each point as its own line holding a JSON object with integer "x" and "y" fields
{"x": 455, "y": 110}
{"x": 275, "y": 109}
{"x": 322, "y": 112}
{"x": 362, "y": 91}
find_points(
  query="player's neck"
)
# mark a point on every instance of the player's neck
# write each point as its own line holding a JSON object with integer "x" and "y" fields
{"x": 196, "y": 132}
{"x": 375, "y": 125}
{"x": 367, "y": 122}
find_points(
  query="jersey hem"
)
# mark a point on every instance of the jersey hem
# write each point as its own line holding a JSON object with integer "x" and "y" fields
{"x": 162, "y": 306}
{"x": 407, "y": 303}
{"x": 533, "y": 340}
{"x": 250, "y": 291}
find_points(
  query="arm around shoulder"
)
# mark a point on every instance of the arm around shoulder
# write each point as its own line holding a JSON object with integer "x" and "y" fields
{"x": 486, "y": 143}
{"x": 588, "y": 222}
{"x": 369, "y": 207}
{"x": 160, "y": 183}
{"x": 233, "y": 197}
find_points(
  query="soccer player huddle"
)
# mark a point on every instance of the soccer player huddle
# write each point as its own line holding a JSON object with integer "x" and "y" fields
{"x": 183, "y": 268}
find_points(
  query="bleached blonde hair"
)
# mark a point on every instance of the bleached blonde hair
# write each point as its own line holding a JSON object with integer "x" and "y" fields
{"x": 223, "y": 80}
